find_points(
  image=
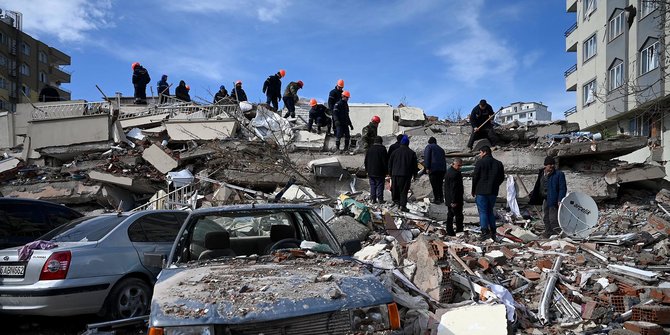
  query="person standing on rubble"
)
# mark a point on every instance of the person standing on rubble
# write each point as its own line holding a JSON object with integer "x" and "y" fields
{"x": 181, "y": 92}
{"x": 220, "y": 94}
{"x": 342, "y": 122}
{"x": 436, "y": 166}
{"x": 369, "y": 132}
{"x": 291, "y": 97}
{"x": 318, "y": 114}
{"x": 489, "y": 173}
{"x": 403, "y": 166}
{"x": 272, "y": 89}
{"x": 393, "y": 147}
{"x": 163, "y": 89}
{"x": 238, "y": 92}
{"x": 140, "y": 81}
{"x": 453, "y": 197}
{"x": 550, "y": 188}
{"x": 481, "y": 120}
{"x": 335, "y": 95}
{"x": 376, "y": 165}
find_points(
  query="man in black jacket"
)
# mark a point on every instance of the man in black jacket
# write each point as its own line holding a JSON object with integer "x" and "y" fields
{"x": 489, "y": 173}
{"x": 140, "y": 81}
{"x": 376, "y": 165}
{"x": 238, "y": 93}
{"x": 403, "y": 166}
{"x": 393, "y": 147}
{"x": 163, "y": 89}
{"x": 436, "y": 166}
{"x": 481, "y": 120}
{"x": 318, "y": 114}
{"x": 335, "y": 95}
{"x": 220, "y": 94}
{"x": 272, "y": 89}
{"x": 181, "y": 92}
{"x": 453, "y": 197}
{"x": 342, "y": 121}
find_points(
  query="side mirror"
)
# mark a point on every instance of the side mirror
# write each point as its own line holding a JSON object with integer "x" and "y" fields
{"x": 349, "y": 248}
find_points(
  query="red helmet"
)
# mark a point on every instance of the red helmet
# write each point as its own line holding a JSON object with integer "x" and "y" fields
{"x": 188, "y": 88}
{"x": 312, "y": 102}
{"x": 340, "y": 83}
{"x": 300, "y": 83}
{"x": 376, "y": 119}
{"x": 346, "y": 94}
{"x": 282, "y": 73}
{"x": 135, "y": 65}
{"x": 239, "y": 82}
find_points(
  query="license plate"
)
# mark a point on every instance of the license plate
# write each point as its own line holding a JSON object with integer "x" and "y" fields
{"x": 17, "y": 270}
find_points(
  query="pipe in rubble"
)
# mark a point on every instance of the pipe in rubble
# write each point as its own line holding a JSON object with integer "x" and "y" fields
{"x": 543, "y": 313}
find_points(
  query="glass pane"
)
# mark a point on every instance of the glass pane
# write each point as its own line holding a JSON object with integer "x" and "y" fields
{"x": 84, "y": 229}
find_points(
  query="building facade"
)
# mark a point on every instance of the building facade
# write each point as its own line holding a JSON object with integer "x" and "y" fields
{"x": 27, "y": 65}
{"x": 524, "y": 112}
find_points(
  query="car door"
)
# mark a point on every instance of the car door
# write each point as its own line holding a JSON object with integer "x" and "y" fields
{"x": 152, "y": 235}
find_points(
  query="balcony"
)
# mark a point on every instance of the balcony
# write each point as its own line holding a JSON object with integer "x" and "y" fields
{"x": 56, "y": 74}
{"x": 571, "y": 38}
{"x": 58, "y": 57}
{"x": 571, "y": 6}
{"x": 570, "y": 111}
{"x": 571, "y": 78}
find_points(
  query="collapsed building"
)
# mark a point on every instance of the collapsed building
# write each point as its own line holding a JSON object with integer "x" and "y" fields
{"x": 119, "y": 156}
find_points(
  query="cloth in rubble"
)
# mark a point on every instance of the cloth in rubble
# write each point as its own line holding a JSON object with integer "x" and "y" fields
{"x": 26, "y": 251}
{"x": 361, "y": 212}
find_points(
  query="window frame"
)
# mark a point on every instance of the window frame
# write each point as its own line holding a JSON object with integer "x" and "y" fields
{"x": 586, "y": 14}
{"x": 649, "y": 53}
{"x": 613, "y": 24}
{"x": 644, "y": 8}
{"x": 585, "y": 46}
{"x": 25, "y": 72}
{"x": 611, "y": 76}
{"x": 25, "y": 48}
{"x": 589, "y": 86}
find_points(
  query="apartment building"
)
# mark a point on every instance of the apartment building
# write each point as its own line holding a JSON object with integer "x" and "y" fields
{"x": 523, "y": 112}
{"x": 27, "y": 65}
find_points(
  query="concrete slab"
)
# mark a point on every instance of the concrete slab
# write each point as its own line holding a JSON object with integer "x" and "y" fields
{"x": 69, "y": 130}
{"x": 598, "y": 150}
{"x": 110, "y": 178}
{"x": 345, "y": 228}
{"x": 468, "y": 320}
{"x": 428, "y": 275}
{"x": 360, "y": 115}
{"x": 70, "y": 192}
{"x": 411, "y": 116}
{"x": 163, "y": 162}
{"x": 633, "y": 173}
{"x": 186, "y": 130}
{"x": 307, "y": 140}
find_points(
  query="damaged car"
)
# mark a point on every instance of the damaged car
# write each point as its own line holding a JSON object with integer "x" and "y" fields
{"x": 266, "y": 269}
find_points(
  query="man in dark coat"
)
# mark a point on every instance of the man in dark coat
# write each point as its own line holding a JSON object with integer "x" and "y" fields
{"x": 181, "y": 92}
{"x": 335, "y": 95}
{"x": 291, "y": 97}
{"x": 453, "y": 197}
{"x": 376, "y": 165}
{"x": 436, "y": 166}
{"x": 220, "y": 94}
{"x": 342, "y": 121}
{"x": 403, "y": 166}
{"x": 140, "y": 81}
{"x": 272, "y": 89}
{"x": 393, "y": 147}
{"x": 481, "y": 120}
{"x": 163, "y": 89}
{"x": 550, "y": 188}
{"x": 318, "y": 114}
{"x": 238, "y": 92}
{"x": 369, "y": 132}
{"x": 489, "y": 173}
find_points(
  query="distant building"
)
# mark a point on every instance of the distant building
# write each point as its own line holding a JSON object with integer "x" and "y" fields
{"x": 27, "y": 65}
{"x": 524, "y": 112}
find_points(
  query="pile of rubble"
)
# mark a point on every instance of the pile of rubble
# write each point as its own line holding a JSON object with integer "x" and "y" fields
{"x": 116, "y": 155}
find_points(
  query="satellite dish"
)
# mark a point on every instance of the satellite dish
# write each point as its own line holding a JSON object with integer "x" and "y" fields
{"x": 577, "y": 215}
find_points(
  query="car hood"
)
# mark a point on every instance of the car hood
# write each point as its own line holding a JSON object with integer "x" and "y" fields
{"x": 236, "y": 291}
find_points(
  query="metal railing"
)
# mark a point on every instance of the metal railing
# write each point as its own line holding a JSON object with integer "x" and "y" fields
{"x": 69, "y": 110}
{"x": 181, "y": 198}
{"x": 571, "y": 29}
{"x": 570, "y": 111}
{"x": 570, "y": 70}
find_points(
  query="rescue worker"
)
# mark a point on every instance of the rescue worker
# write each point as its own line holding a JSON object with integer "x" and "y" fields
{"x": 376, "y": 165}
{"x": 181, "y": 92}
{"x": 318, "y": 114}
{"x": 335, "y": 95}
{"x": 272, "y": 89}
{"x": 163, "y": 89}
{"x": 481, "y": 120}
{"x": 220, "y": 94}
{"x": 342, "y": 121}
{"x": 140, "y": 81}
{"x": 291, "y": 97}
{"x": 369, "y": 132}
{"x": 403, "y": 166}
{"x": 238, "y": 92}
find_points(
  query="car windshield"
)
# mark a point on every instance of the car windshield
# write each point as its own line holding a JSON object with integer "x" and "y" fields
{"x": 84, "y": 229}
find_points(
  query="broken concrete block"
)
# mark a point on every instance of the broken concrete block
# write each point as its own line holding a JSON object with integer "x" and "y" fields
{"x": 598, "y": 150}
{"x": 663, "y": 196}
{"x": 309, "y": 141}
{"x": 438, "y": 212}
{"x": 200, "y": 130}
{"x": 69, "y": 130}
{"x": 524, "y": 234}
{"x": 428, "y": 276}
{"x": 345, "y": 228}
{"x": 9, "y": 168}
{"x": 643, "y": 327}
{"x": 327, "y": 167}
{"x": 633, "y": 173}
{"x": 531, "y": 275}
{"x": 468, "y": 320}
{"x": 69, "y": 193}
{"x": 411, "y": 116}
{"x": 116, "y": 198}
{"x": 659, "y": 224}
{"x": 163, "y": 162}
{"x": 299, "y": 193}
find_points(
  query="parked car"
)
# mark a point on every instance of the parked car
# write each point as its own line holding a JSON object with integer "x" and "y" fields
{"x": 207, "y": 288}
{"x": 24, "y": 220}
{"x": 105, "y": 264}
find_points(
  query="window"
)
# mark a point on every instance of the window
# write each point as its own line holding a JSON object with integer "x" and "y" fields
{"x": 616, "y": 76}
{"x": 84, "y": 229}
{"x": 589, "y": 93}
{"x": 522, "y": 115}
{"x": 590, "y": 48}
{"x": 24, "y": 69}
{"x": 25, "y": 48}
{"x": 3, "y": 83}
{"x": 589, "y": 8}
{"x": 43, "y": 77}
{"x": 649, "y": 58}
{"x": 43, "y": 57}
{"x": 647, "y": 6}
{"x": 616, "y": 26}
{"x": 58, "y": 216}
{"x": 160, "y": 227}
{"x": 3, "y": 61}
{"x": 19, "y": 220}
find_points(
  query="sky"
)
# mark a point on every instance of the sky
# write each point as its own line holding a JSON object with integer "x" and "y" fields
{"x": 439, "y": 55}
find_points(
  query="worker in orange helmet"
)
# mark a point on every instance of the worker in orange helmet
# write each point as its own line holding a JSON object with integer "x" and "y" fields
{"x": 319, "y": 114}
{"x": 272, "y": 89}
{"x": 140, "y": 81}
{"x": 291, "y": 97}
{"x": 238, "y": 92}
{"x": 342, "y": 122}
{"x": 369, "y": 132}
{"x": 335, "y": 94}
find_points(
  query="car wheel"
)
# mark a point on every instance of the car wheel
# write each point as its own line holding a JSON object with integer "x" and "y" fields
{"x": 129, "y": 298}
